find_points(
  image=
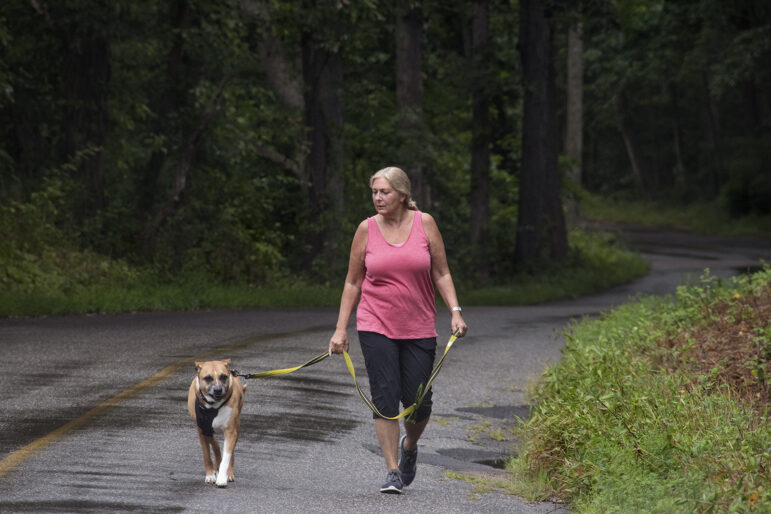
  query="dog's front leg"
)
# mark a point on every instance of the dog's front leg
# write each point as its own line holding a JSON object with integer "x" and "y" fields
{"x": 210, "y": 476}
{"x": 217, "y": 457}
{"x": 225, "y": 473}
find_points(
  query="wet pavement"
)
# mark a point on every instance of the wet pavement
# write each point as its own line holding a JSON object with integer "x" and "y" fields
{"x": 94, "y": 413}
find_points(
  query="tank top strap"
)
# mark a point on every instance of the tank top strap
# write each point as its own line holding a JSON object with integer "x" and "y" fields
{"x": 373, "y": 232}
{"x": 417, "y": 223}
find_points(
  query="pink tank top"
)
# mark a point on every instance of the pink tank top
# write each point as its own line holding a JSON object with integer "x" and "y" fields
{"x": 397, "y": 295}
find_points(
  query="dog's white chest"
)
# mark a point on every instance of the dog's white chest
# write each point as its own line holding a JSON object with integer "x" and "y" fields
{"x": 220, "y": 422}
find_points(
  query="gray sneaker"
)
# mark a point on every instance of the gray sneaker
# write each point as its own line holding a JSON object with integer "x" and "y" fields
{"x": 393, "y": 483}
{"x": 407, "y": 462}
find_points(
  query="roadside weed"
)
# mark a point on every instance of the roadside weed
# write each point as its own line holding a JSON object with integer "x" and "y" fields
{"x": 485, "y": 428}
{"x": 660, "y": 406}
{"x": 482, "y": 484}
{"x": 444, "y": 421}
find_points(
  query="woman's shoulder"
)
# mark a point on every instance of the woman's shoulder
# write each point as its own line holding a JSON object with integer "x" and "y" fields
{"x": 430, "y": 228}
{"x": 427, "y": 219}
{"x": 360, "y": 238}
{"x": 362, "y": 230}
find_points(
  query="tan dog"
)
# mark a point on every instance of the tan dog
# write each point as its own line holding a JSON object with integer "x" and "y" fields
{"x": 214, "y": 402}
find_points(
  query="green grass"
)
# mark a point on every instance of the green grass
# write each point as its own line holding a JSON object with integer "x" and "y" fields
{"x": 174, "y": 296}
{"x": 62, "y": 282}
{"x": 703, "y": 218}
{"x": 616, "y": 430}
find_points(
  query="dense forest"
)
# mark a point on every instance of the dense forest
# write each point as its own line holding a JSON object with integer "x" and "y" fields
{"x": 234, "y": 139}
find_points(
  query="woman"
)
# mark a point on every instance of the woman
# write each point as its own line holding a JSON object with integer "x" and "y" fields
{"x": 397, "y": 256}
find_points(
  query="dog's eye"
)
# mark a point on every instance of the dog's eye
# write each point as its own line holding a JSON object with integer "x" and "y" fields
{"x": 223, "y": 377}
{"x": 208, "y": 379}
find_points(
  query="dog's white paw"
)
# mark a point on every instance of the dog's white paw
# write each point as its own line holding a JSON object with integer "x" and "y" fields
{"x": 222, "y": 474}
{"x": 211, "y": 478}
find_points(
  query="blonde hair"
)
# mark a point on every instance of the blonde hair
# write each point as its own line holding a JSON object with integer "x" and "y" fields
{"x": 399, "y": 181}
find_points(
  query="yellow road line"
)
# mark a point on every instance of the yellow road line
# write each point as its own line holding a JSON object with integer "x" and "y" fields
{"x": 18, "y": 457}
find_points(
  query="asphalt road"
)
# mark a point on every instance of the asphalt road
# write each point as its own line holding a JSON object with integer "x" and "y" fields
{"x": 94, "y": 416}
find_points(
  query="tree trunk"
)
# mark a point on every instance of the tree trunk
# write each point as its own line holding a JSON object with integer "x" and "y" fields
{"x": 169, "y": 102}
{"x": 283, "y": 70}
{"x": 574, "y": 123}
{"x": 541, "y": 231}
{"x": 680, "y": 182}
{"x": 282, "y": 73}
{"x": 284, "y": 76}
{"x": 323, "y": 78}
{"x": 308, "y": 83}
{"x": 86, "y": 76}
{"x": 409, "y": 96}
{"x": 331, "y": 91}
{"x": 632, "y": 145}
{"x": 753, "y": 107}
{"x": 480, "y": 139}
{"x": 710, "y": 130}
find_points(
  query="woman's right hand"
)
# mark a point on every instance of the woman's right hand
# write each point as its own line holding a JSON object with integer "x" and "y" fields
{"x": 339, "y": 342}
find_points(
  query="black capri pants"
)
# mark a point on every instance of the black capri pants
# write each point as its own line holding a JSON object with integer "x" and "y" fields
{"x": 396, "y": 368}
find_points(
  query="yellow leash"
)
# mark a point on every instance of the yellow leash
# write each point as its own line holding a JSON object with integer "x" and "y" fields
{"x": 409, "y": 412}
{"x": 406, "y": 412}
{"x": 282, "y": 371}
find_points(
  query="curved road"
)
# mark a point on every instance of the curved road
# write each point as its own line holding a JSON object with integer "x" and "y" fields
{"x": 94, "y": 416}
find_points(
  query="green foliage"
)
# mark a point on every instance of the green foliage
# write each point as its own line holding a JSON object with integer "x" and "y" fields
{"x": 36, "y": 255}
{"x": 41, "y": 275}
{"x": 596, "y": 262}
{"x": 690, "y": 73}
{"x": 147, "y": 292}
{"x": 703, "y": 218}
{"x": 239, "y": 220}
{"x": 243, "y": 216}
{"x": 613, "y": 432}
{"x": 748, "y": 188}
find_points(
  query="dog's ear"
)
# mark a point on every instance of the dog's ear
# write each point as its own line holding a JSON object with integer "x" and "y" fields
{"x": 198, "y": 365}
{"x": 227, "y": 362}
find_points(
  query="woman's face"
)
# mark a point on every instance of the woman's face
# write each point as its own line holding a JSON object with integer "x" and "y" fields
{"x": 387, "y": 200}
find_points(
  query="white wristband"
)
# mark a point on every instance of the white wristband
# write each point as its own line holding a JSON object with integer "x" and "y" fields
{"x": 456, "y": 309}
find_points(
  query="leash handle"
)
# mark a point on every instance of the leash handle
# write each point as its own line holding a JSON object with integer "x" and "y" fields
{"x": 423, "y": 391}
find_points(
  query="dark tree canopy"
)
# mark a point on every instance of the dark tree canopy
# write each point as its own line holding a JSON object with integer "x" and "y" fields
{"x": 233, "y": 139}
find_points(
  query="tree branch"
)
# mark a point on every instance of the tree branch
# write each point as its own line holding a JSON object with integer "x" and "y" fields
{"x": 43, "y": 11}
{"x": 185, "y": 164}
{"x": 278, "y": 158}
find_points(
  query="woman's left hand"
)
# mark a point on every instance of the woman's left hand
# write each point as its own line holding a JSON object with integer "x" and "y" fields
{"x": 457, "y": 324}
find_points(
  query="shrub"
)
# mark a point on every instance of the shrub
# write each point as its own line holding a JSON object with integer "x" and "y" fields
{"x": 629, "y": 422}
